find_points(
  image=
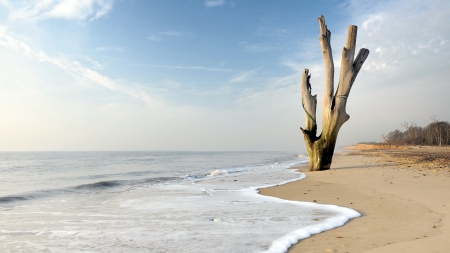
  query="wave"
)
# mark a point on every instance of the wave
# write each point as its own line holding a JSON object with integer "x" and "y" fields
{"x": 98, "y": 185}
{"x": 9, "y": 199}
{"x": 83, "y": 188}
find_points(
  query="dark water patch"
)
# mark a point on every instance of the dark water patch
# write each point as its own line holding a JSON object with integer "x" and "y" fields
{"x": 102, "y": 185}
{"x": 10, "y": 199}
{"x": 99, "y": 185}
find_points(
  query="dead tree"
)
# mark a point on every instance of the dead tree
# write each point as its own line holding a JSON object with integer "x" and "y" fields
{"x": 321, "y": 148}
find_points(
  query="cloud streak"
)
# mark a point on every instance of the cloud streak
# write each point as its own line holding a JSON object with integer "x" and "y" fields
{"x": 158, "y": 37}
{"x": 76, "y": 69}
{"x": 287, "y": 38}
{"x": 244, "y": 76}
{"x": 191, "y": 68}
{"x": 109, "y": 48}
{"x": 257, "y": 47}
{"x": 59, "y": 9}
{"x": 214, "y": 3}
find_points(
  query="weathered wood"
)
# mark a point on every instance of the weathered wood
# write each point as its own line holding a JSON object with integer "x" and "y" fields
{"x": 321, "y": 148}
{"x": 309, "y": 102}
{"x": 325, "y": 39}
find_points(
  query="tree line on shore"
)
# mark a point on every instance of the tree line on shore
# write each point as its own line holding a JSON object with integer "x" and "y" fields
{"x": 437, "y": 133}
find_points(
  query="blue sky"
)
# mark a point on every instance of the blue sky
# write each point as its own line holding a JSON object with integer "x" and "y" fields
{"x": 209, "y": 75}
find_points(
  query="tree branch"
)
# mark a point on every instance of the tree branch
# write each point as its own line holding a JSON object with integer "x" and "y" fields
{"x": 351, "y": 42}
{"x": 347, "y": 68}
{"x": 309, "y": 102}
{"x": 359, "y": 61}
{"x": 325, "y": 42}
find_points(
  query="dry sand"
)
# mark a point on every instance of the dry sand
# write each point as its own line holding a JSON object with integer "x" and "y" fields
{"x": 403, "y": 196}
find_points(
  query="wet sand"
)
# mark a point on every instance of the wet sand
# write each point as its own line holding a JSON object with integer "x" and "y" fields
{"x": 403, "y": 196}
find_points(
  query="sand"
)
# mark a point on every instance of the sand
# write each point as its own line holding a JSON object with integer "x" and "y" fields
{"x": 403, "y": 197}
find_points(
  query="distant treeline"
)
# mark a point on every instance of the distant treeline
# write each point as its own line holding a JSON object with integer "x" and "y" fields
{"x": 437, "y": 133}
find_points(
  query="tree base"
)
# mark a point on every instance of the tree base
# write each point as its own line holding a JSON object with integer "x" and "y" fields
{"x": 320, "y": 151}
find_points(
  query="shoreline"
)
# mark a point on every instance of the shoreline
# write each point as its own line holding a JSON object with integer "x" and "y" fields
{"x": 404, "y": 204}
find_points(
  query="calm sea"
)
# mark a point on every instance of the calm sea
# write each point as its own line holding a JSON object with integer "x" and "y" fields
{"x": 154, "y": 202}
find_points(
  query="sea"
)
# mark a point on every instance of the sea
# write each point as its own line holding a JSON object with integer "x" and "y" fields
{"x": 154, "y": 201}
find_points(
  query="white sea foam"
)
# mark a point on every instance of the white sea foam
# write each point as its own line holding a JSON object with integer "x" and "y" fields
{"x": 218, "y": 173}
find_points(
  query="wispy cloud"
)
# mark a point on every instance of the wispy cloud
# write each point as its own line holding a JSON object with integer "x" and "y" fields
{"x": 256, "y": 47}
{"x": 373, "y": 21}
{"x": 277, "y": 92}
{"x": 76, "y": 69}
{"x": 5, "y": 3}
{"x": 244, "y": 76}
{"x": 214, "y": 3}
{"x": 95, "y": 64}
{"x": 171, "y": 84}
{"x": 283, "y": 39}
{"x": 159, "y": 36}
{"x": 190, "y": 67}
{"x": 155, "y": 37}
{"x": 221, "y": 91}
{"x": 59, "y": 9}
{"x": 110, "y": 48}
{"x": 278, "y": 32}
{"x": 172, "y": 33}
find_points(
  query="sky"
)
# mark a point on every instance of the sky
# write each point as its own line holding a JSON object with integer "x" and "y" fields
{"x": 212, "y": 75}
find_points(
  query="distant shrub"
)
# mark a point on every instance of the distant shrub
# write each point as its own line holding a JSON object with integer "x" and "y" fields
{"x": 437, "y": 133}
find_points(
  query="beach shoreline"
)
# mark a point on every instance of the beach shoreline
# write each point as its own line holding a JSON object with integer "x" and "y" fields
{"x": 402, "y": 196}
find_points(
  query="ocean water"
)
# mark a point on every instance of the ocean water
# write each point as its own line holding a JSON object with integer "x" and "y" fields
{"x": 154, "y": 202}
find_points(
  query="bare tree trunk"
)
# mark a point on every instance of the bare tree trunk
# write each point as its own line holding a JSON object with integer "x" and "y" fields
{"x": 321, "y": 148}
{"x": 448, "y": 136}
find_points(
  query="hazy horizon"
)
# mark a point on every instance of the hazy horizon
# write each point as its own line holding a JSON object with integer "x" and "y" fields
{"x": 215, "y": 75}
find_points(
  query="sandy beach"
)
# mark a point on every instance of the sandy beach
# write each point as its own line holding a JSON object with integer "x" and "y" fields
{"x": 402, "y": 195}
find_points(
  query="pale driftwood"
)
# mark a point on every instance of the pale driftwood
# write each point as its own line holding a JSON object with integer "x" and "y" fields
{"x": 321, "y": 148}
